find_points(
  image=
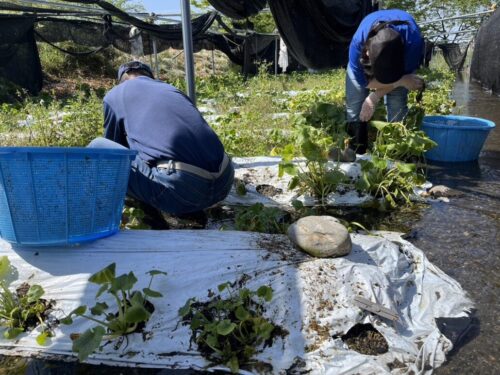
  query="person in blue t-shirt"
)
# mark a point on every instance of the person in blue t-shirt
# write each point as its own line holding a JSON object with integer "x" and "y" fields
{"x": 181, "y": 166}
{"x": 384, "y": 54}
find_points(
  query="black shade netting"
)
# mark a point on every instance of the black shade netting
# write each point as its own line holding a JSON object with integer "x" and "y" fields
{"x": 102, "y": 34}
{"x": 428, "y": 52}
{"x": 238, "y": 9}
{"x": 486, "y": 56}
{"x": 454, "y": 55}
{"x": 167, "y": 32}
{"x": 318, "y": 32}
{"x": 19, "y": 60}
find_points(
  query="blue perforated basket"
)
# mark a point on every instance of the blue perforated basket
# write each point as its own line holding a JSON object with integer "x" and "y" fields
{"x": 61, "y": 196}
{"x": 459, "y": 138}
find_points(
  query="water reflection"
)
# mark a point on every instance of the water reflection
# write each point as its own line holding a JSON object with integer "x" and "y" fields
{"x": 472, "y": 100}
{"x": 461, "y": 237}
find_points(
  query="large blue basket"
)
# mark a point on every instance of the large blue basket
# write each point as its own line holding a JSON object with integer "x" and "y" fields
{"x": 459, "y": 138}
{"x": 61, "y": 196}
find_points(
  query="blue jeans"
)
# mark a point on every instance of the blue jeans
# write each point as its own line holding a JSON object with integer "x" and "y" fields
{"x": 396, "y": 101}
{"x": 175, "y": 192}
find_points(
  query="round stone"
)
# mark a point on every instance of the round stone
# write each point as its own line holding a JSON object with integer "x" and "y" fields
{"x": 321, "y": 236}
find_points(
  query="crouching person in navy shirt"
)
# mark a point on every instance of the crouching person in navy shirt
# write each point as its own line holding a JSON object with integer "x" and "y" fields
{"x": 181, "y": 166}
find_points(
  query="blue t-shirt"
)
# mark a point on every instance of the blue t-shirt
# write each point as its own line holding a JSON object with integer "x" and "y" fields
{"x": 160, "y": 122}
{"x": 414, "y": 43}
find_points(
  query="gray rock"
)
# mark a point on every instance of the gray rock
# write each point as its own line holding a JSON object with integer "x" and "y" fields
{"x": 321, "y": 236}
{"x": 444, "y": 191}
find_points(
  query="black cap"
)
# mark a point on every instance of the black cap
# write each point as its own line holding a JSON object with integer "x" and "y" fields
{"x": 134, "y": 65}
{"x": 387, "y": 55}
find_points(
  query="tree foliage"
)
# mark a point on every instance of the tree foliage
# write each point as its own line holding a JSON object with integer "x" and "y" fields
{"x": 262, "y": 22}
{"x": 428, "y": 10}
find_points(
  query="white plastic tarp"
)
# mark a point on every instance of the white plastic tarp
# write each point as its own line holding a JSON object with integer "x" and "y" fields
{"x": 308, "y": 293}
{"x": 261, "y": 171}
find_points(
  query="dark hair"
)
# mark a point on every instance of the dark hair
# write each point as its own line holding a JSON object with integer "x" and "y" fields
{"x": 365, "y": 61}
{"x": 372, "y": 53}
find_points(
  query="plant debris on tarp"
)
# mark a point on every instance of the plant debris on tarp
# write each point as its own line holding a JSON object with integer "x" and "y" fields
{"x": 313, "y": 298}
{"x": 47, "y": 308}
{"x": 230, "y": 330}
{"x": 365, "y": 339}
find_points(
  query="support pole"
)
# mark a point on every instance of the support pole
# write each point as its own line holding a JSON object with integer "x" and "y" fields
{"x": 213, "y": 62}
{"x": 276, "y": 55}
{"x": 187, "y": 39}
{"x": 155, "y": 52}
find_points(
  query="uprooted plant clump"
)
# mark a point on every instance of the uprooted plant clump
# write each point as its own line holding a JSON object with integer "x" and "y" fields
{"x": 133, "y": 310}
{"x": 23, "y": 310}
{"x": 231, "y": 330}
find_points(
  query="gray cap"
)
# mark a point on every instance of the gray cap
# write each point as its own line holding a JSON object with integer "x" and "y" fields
{"x": 134, "y": 65}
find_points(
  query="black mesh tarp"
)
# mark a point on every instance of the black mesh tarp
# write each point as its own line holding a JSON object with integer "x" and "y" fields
{"x": 486, "y": 57}
{"x": 454, "y": 55}
{"x": 317, "y": 32}
{"x": 167, "y": 32}
{"x": 238, "y": 9}
{"x": 102, "y": 34}
{"x": 19, "y": 60}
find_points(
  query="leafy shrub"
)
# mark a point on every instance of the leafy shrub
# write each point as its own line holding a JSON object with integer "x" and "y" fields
{"x": 10, "y": 92}
{"x": 70, "y": 123}
{"x": 259, "y": 218}
{"x": 397, "y": 141}
{"x": 231, "y": 330}
{"x": 61, "y": 64}
{"x": 316, "y": 177}
{"x": 133, "y": 309}
{"x": 392, "y": 181}
{"x": 23, "y": 309}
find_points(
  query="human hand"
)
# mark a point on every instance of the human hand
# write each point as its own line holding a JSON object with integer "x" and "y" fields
{"x": 412, "y": 82}
{"x": 368, "y": 107}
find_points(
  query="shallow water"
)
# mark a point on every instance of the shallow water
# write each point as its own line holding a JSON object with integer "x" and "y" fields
{"x": 461, "y": 237}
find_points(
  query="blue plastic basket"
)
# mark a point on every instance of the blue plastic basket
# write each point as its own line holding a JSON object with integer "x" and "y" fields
{"x": 459, "y": 138}
{"x": 61, "y": 196}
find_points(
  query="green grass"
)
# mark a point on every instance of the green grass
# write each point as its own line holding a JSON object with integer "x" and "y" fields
{"x": 244, "y": 109}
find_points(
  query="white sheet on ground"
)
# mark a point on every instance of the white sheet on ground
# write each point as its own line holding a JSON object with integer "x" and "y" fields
{"x": 257, "y": 172}
{"x": 313, "y": 298}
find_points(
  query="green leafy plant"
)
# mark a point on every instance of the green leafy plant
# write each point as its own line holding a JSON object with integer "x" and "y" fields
{"x": 131, "y": 312}
{"x": 132, "y": 218}
{"x": 47, "y": 122}
{"x": 392, "y": 181}
{"x": 317, "y": 176}
{"x": 231, "y": 330}
{"x": 24, "y": 309}
{"x": 259, "y": 218}
{"x": 398, "y": 141}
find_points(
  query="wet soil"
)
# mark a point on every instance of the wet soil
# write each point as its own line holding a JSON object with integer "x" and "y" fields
{"x": 268, "y": 190}
{"x": 365, "y": 339}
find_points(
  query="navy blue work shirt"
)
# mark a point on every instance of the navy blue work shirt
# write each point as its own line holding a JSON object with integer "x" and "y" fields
{"x": 413, "y": 41}
{"x": 161, "y": 123}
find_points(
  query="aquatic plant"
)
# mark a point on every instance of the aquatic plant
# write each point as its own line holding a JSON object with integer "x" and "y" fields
{"x": 23, "y": 309}
{"x": 231, "y": 330}
{"x": 131, "y": 312}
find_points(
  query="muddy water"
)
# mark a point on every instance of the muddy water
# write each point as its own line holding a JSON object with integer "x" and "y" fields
{"x": 462, "y": 237}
